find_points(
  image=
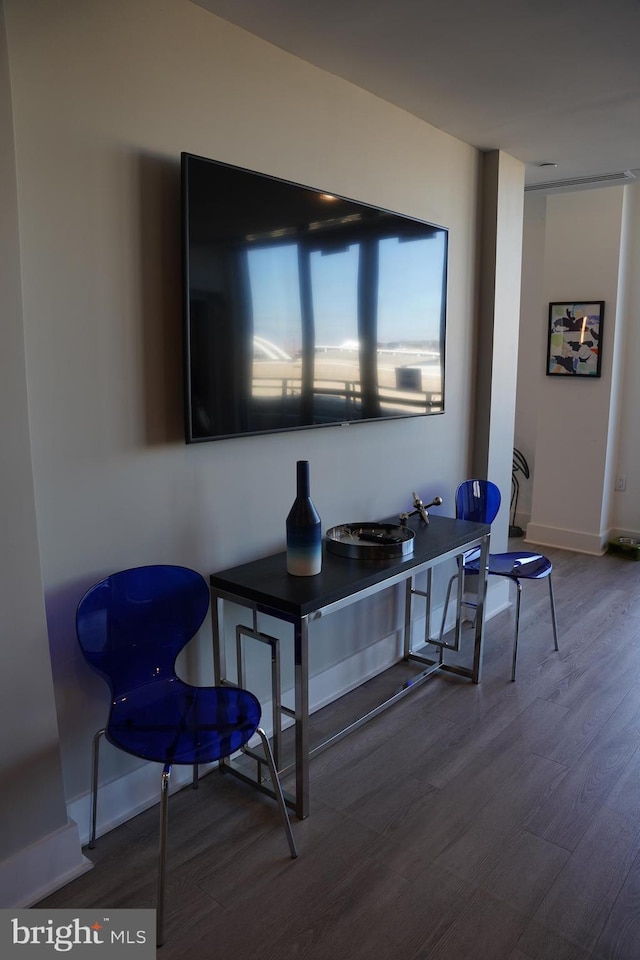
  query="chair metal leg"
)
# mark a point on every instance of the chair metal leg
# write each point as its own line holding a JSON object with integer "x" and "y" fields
{"x": 162, "y": 856}
{"x": 94, "y": 786}
{"x": 164, "y": 818}
{"x": 553, "y": 615}
{"x": 515, "y": 635}
{"x": 277, "y": 788}
{"x": 554, "y": 623}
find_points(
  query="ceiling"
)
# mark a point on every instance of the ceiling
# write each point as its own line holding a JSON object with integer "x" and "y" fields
{"x": 547, "y": 81}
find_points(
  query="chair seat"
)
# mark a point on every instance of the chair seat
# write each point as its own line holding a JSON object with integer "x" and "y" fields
{"x": 169, "y": 721}
{"x": 518, "y": 565}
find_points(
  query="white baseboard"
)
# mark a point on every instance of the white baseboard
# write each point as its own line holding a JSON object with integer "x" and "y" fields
{"x": 522, "y": 520}
{"x": 590, "y": 543}
{"x": 46, "y": 865}
{"x": 124, "y": 798}
{"x": 55, "y": 860}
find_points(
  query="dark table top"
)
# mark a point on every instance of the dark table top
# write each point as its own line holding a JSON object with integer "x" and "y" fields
{"x": 266, "y": 581}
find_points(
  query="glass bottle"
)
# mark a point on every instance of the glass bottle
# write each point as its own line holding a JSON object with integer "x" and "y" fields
{"x": 304, "y": 529}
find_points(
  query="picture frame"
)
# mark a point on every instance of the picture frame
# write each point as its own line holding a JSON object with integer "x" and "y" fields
{"x": 574, "y": 342}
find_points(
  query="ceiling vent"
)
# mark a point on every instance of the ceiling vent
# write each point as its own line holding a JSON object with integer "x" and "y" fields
{"x": 583, "y": 183}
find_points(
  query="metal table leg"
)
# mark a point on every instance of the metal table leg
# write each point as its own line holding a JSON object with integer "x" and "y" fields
{"x": 478, "y": 648}
{"x": 301, "y": 654}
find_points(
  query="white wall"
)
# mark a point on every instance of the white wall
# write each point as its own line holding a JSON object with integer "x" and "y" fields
{"x": 105, "y": 96}
{"x": 626, "y": 505}
{"x": 499, "y": 329}
{"x": 532, "y": 344}
{"x": 577, "y": 436}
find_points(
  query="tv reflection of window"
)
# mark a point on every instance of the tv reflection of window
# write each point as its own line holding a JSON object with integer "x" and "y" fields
{"x": 357, "y": 291}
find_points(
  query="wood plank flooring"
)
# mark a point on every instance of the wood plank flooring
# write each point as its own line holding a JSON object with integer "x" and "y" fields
{"x": 490, "y": 822}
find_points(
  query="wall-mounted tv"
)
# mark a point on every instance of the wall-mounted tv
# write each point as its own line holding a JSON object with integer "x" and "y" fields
{"x": 304, "y": 309}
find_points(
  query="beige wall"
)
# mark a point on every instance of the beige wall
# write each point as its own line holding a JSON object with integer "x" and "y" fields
{"x": 106, "y": 93}
{"x": 32, "y": 804}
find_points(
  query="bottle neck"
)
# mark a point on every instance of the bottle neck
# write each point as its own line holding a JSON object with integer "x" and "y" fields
{"x": 302, "y": 478}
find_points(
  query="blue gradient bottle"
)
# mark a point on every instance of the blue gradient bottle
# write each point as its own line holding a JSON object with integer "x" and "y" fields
{"x": 304, "y": 529}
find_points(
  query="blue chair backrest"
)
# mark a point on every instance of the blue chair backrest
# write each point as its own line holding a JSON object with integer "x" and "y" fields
{"x": 133, "y": 624}
{"x": 477, "y": 500}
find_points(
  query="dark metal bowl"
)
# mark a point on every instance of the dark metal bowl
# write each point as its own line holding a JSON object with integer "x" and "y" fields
{"x": 370, "y": 541}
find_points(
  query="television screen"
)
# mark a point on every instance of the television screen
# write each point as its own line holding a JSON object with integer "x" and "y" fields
{"x": 304, "y": 309}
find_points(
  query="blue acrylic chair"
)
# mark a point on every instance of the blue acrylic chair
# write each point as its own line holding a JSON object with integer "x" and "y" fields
{"x": 131, "y": 627}
{"x": 479, "y": 500}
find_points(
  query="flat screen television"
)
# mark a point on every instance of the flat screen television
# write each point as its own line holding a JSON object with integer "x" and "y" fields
{"x": 304, "y": 309}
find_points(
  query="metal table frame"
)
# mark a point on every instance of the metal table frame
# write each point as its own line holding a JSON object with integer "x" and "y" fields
{"x": 263, "y": 586}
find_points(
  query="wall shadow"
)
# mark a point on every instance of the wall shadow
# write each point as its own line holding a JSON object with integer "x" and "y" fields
{"x": 161, "y": 309}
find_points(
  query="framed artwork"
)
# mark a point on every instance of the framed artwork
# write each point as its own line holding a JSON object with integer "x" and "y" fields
{"x": 574, "y": 343}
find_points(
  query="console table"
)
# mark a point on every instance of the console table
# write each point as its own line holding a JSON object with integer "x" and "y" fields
{"x": 264, "y": 586}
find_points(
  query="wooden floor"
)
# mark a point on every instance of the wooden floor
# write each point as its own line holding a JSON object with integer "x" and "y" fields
{"x": 490, "y": 822}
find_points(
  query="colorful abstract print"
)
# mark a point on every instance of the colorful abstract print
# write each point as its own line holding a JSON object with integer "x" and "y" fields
{"x": 574, "y": 339}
